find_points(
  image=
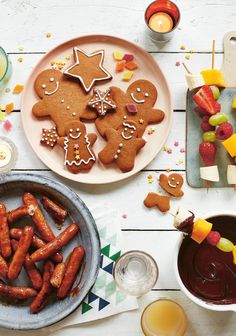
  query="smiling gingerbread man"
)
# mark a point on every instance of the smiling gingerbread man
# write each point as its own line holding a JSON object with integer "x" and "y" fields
{"x": 122, "y": 146}
{"x": 136, "y": 104}
{"x": 62, "y": 99}
{"x": 77, "y": 145}
{"x": 172, "y": 184}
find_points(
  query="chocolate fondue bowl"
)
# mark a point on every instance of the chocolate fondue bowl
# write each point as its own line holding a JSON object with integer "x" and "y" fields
{"x": 206, "y": 275}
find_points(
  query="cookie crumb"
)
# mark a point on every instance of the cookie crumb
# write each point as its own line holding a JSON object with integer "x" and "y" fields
{"x": 182, "y": 47}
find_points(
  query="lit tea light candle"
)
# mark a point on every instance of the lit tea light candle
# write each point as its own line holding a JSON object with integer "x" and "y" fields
{"x": 8, "y": 155}
{"x": 161, "y": 22}
{"x": 162, "y": 18}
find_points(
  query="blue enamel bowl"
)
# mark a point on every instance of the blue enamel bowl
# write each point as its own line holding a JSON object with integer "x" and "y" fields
{"x": 16, "y": 315}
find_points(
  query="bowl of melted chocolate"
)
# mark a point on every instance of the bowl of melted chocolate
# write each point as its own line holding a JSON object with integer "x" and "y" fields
{"x": 206, "y": 274}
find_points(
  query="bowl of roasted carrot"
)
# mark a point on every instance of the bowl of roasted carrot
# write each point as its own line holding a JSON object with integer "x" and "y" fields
{"x": 49, "y": 251}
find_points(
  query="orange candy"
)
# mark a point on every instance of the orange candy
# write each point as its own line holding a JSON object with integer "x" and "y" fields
{"x": 201, "y": 228}
{"x": 18, "y": 89}
{"x": 131, "y": 65}
{"x": 9, "y": 108}
{"x": 120, "y": 66}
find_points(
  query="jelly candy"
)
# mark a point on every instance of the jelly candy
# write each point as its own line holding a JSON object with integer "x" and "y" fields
{"x": 117, "y": 55}
{"x": 127, "y": 75}
{"x": 128, "y": 57}
{"x": 120, "y": 66}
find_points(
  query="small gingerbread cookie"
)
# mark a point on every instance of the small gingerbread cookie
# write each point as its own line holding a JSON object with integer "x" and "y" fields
{"x": 162, "y": 202}
{"x": 77, "y": 145}
{"x": 102, "y": 102}
{"x": 88, "y": 68}
{"x": 62, "y": 99}
{"x": 49, "y": 137}
{"x": 122, "y": 146}
{"x": 136, "y": 104}
{"x": 172, "y": 184}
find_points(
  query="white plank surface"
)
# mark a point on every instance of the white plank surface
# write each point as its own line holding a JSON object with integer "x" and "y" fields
{"x": 29, "y": 20}
{"x": 24, "y": 23}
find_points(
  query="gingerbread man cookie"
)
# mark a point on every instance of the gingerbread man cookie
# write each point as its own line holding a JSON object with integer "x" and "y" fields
{"x": 172, "y": 184}
{"x": 136, "y": 104}
{"x": 162, "y": 202}
{"x": 88, "y": 68}
{"x": 62, "y": 99}
{"x": 122, "y": 146}
{"x": 79, "y": 155}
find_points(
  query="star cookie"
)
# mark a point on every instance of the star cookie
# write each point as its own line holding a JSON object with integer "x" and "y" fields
{"x": 88, "y": 68}
{"x": 49, "y": 137}
{"x": 102, "y": 102}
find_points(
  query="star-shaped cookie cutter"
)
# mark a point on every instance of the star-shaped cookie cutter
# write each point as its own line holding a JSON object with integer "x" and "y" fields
{"x": 76, "y": 52}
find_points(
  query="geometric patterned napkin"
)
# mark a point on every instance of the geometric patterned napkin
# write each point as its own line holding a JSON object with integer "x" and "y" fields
{"x": 105, "y": 299}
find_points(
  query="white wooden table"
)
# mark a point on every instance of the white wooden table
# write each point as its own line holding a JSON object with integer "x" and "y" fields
{"x": 24, "y": 23}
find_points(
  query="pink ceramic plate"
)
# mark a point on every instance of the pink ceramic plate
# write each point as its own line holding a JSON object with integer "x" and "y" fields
{"x": 148, "y": 69}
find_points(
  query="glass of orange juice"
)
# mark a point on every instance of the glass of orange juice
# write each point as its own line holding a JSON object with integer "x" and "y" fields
{"x": 164, "y": 317}
{"x": 5, "y": 68}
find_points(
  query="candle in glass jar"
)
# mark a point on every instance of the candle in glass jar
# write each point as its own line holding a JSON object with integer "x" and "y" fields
{"x": 161, "y": 22}
{"x": 3, "y": 66}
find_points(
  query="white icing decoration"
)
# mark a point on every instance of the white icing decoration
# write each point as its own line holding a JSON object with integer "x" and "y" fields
{"x": 43, "y": 86}
{"x": 75, "y": 136}
{"x": 116, "y": 157}
{"x": 138, "y": 89}
{"x": 121, "y": 145}
{"x": 62, "y": 101}
{"x": 171, "y": 185}
{"x": 71, "y": 129}
{"x": 125, "y": 117}
{"x": 146, "y": 94}
{"x": 54, "y": 91}
{"x": 68, "y": 107}
{"x": 78, "y": 163}
{"x": 74, "y": 114}
{"x": 51, "y": 79}
{"x": 127, "y": 125}
{"x": 137, "y": 100}
{"x": 102, "y": 101}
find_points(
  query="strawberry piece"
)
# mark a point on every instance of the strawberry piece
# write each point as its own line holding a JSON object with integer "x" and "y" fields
{"x": 217, "y": 106}
{"x": 201, "y": 111}
{"x": 207, "y": 150}
{"x": 205, "y": 99}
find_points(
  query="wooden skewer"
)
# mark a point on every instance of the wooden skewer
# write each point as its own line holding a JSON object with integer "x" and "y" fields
{"x": 208, "y": 185}
{"x": 213, "y": 55}
{"x": 186, "y": 68}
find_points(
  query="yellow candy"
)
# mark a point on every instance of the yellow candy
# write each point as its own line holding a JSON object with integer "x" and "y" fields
{"x": 230, "y": 145}
{"x": 2, "y": 115}
{"x": 213, "y": 77}
{"x": 127, "y": 75}
{"x": 201, "y": 228}
{"x": 234, "y": 254}
{"x": 117, "y": 55}
{"x": 234, "y": 102}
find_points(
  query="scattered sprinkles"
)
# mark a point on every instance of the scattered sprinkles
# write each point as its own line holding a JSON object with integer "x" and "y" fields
{"x": 176, "y": 143}
{"x": 150, "y": 179}
{"x": 68, "y": 57}
{"x": 179, "y": 162}
{"x": 124, "y": 216}
{"x": 150, "y": 131}
{"x": 187, "y": 57}
{"x": 169, "y": 151}
{"x": 177, "y": 63}
{"x": 182, "y": 47}
{"x": 141, "y": 121}
{"x": 48, "y": 35}
{"x": 20, "y": 48}
{"x": 7, "y": 126}
{"x": 182, "y": 150}
{"x": 191, "y": 51}
{"x": 20, "y": 59}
